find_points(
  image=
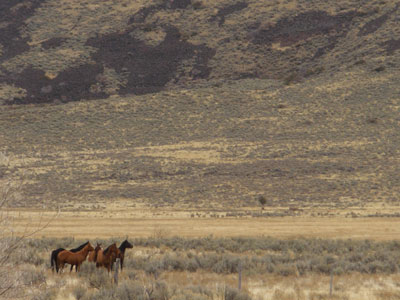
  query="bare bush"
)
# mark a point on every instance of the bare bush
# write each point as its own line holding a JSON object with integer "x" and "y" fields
{"x": 12, "y": 280}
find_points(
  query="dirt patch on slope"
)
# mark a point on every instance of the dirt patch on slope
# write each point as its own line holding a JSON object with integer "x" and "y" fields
{"x": 53, "y": 43}
{"x": 289, "y": 31}
{"x": 71, "y": 85}
{"x": 131, "y": 65}
{"x": 149, "y": 68}
{"x": 373, "y": 25}
{"x": 14, "y": 13}
{"x": 391, "y": 46}
{"x": 146, "y": 68}
{"x": 227, "y": 10}
{"x": 142, "y": 14}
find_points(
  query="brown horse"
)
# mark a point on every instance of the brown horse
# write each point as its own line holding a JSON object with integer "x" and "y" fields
{"x": 93, "y": 254}
{"x": 74, "y": 259}
{"x": 124, "y": 245}
{"x": 106, "y": 257}
{"x": 54, "y": 254}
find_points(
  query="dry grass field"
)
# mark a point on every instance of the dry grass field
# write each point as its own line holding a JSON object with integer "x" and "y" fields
{"x": 167, "y": 121}
{"x": 180, "y": 256}
{"x": 175, "y": 267}
{"x": 179, "y": 223}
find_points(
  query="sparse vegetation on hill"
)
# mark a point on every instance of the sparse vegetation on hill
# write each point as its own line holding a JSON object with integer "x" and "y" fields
{"x": 221, "y": 101}
{"x": 330, "y": 141}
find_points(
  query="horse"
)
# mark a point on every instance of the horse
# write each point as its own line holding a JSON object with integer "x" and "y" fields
{"x": 93, "y": 254}
{"x": 74, "y": 258}
{"x": 125, "y": 244}
{"x": 54, "y": 254}
{"x": 105, "y": 258}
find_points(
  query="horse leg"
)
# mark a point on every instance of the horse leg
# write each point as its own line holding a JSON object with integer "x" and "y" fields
{"x": 121, "y": 262}
{"x": 52, "y": 262}
{"x": 61, "y": 267}
{"x": 58, "y": 266}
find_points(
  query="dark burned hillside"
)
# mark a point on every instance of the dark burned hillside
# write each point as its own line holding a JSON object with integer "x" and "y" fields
{"x": 13, "y": 15}
{"x": 58, "y": 51}
{"x": 149, "y": 69}
{"x": 300, "y": 28}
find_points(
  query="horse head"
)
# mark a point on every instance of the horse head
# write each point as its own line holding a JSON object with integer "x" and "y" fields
{"x": 89, "y": 247}
{"x": 125, "y": 244}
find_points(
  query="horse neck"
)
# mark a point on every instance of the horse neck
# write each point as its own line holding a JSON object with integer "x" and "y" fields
{"x": 122, "y": 248}
{"x": 84, "y": 251}
{"x": 109, "y": 252}
{"x": 96, "y": 253}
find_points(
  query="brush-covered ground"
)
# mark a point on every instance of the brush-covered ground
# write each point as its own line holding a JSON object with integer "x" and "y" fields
{"x": 172, "y": 268}
{"x": 203, "y": 105}
{"x": 329, "y": 142}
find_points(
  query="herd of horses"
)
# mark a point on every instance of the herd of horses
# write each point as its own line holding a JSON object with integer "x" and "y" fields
{"x": 75, "y": 257}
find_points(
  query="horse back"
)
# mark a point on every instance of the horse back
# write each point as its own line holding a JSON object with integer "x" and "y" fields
{"x": 62, "y": 255}
{"x": 69, "y": 257}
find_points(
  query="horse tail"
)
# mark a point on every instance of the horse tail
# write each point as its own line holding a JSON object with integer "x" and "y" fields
{"x": 52, "y": 261}
{"x": 53, "y": 258}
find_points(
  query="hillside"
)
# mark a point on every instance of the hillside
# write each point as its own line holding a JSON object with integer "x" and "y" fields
{"x": 201, "y": 104}
{"x": 65, "y": 51}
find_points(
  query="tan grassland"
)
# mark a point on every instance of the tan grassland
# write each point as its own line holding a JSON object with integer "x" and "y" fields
{"x": 351, "y": 287}
{"x": 142, "y": 223}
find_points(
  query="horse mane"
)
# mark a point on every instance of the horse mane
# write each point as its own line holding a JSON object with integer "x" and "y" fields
{"x": 108, "y": 248}
{"x": 79, "y": 248}
{"x": 123, "y": 245}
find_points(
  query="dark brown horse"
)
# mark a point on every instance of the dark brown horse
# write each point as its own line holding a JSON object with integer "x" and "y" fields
{"x": 105, "y": 258}
{"x": 124, "y": 245}
{"x": 73, "y": 258}
{"x": 93, "y": 254}
{"x": 54, "y": 254}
